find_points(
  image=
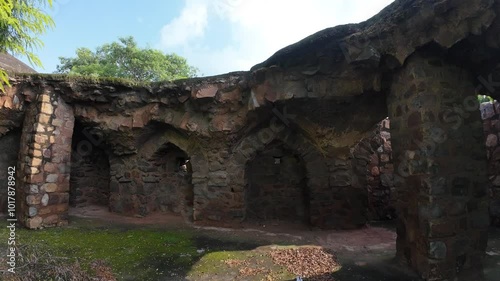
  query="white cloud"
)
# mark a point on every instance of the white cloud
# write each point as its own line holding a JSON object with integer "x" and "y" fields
{"x": 190, "y": 24}
{"x": 258, "y": 28}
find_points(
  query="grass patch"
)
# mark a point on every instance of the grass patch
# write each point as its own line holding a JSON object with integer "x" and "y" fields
{"x": 141, "y": 254}
{"x": 134, "y": 252}
{"x": 253, "y": 264}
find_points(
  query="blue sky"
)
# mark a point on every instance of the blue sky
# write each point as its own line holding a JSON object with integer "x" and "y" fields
{"x": 217, "y": 36}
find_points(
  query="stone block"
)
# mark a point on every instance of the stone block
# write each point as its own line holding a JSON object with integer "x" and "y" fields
{"x": 491, "y": 140}
{"x": 45, "y": 200}
{"x": 34, "y": 223}
{"x": 34, "y": 170}
{"x": 41, "y": 139}
{"x": 437, "y": 250}
{"x": 33, "y": 189}
{"x": 32, "y": 211}
{"x": 36, "y": 162}
{"x": 49, "y": 187}
{"x": 51, "y": 178}
{"x": 44, "y": 98}
{"x": 487, "y": 110}
{"x": 57, "y": 123}
{"x": 33, "y": 199}
{"x": 47, "y": 153}
{"x": 232, "y": 96}
{"x": 39, "y": 128}
{"x": 37, "y": 153}
{"x": 35, "y": 178}
{"x": 44, "y": 119}
{"x": 218, "y": 178}
{"x": 385, "y": 158}
{"x": 47, "y": 108}
{"x": 206, "y": 92}
{"x": 50, "y": 220}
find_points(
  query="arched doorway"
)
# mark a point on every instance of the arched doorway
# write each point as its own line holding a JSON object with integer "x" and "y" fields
{"x": 276, "y": 186}
{"x": 90, "y": 170}
{"x": 174, "y": 189}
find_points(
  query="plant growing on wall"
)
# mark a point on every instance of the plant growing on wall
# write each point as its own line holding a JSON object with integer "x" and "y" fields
{"x": 484, "y": 98}
{"x": 21, "y": 24}
{"x": 124, "y": 59}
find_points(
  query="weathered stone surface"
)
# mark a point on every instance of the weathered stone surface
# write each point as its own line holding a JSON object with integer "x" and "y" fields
{"x": 217, "y": 178}
{"x": 49, "y": 187}
{"x": 52, "y": 178}
{"x": 45, "y": 199}
{"x": 441, "y": 192}
{"x": 437, "y": 250}
{"x": 319, "y": 97}
{"x": 206, "y": 92}
{"x": 33, "y": 211}
{"x": 491, "y": 140}
{"x": 34, "y": 223}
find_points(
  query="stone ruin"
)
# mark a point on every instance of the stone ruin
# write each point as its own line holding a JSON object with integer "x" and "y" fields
{"x": 288, "y": 140}
{"x": 382, "y": 194}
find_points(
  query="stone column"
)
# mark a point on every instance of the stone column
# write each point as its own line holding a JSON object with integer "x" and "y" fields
{"x": 441, "y": 170}
{"x": 44, "y": 162}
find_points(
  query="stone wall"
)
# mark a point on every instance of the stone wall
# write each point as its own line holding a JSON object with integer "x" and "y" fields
{"x": 380, "y": 183}
{"x": 441, "y": 165}
{"x": 276, "y": 186}
{"x": 9, "y": 145}
{"x": 490, "y": 113}
{"x": 372, "y": 159}
{"x": 155, "y": 179}
{"x": 44, "y": 162}
{"x": 332, "y": 201}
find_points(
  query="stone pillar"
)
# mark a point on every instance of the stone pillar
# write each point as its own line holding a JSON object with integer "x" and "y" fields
{"x": 441, "y": 170}
{"x": 44, "y": 162}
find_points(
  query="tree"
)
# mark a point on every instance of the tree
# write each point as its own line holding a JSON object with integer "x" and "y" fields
{"x": 21, "y": 23}
{"x": 124, "y": 59}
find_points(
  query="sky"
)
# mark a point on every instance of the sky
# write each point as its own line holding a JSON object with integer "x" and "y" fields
{"x": 216, "y": 36}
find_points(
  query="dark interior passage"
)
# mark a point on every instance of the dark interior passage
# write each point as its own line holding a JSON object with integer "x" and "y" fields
{"x": 90, "y": 172}
{"x": 175, "y": 192}
{"x": 276, "y": 186}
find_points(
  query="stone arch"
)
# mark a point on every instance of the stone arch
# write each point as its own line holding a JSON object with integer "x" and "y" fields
{"x": 137, "y": 178}
{"x": 90, "y": 171}
{"x": 372, "y": 165}
{"x": 152, "y": 145}
{"x": 317, "y": 175}
{"x": 198, "y": 165}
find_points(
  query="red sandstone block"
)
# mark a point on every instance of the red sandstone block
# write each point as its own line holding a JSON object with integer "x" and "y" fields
{"x": 50, "y": 220}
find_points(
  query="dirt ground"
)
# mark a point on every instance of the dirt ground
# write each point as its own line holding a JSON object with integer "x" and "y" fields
{"x": 365, "y": 254}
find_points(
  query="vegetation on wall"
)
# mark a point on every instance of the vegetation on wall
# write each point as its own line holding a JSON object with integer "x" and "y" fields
{"x": 21, "y": 24}
{"x": 484, "y": 98}
{"x": 124, "y": 59}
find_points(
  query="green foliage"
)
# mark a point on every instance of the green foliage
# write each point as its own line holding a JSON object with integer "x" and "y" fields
{"x": 124, "y": 59}
{"x": 484, "y": 98}
{"x": 21, "y": 23}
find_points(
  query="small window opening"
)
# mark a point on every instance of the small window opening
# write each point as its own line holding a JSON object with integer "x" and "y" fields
{"x": 182, "y": 164}
{"x": 277, "y": 160}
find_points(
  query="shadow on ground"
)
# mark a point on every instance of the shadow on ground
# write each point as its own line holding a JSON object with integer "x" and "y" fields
{"x": 173, "y": 251}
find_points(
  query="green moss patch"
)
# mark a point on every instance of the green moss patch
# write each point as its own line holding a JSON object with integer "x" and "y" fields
{"x": 148, "y": 253}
